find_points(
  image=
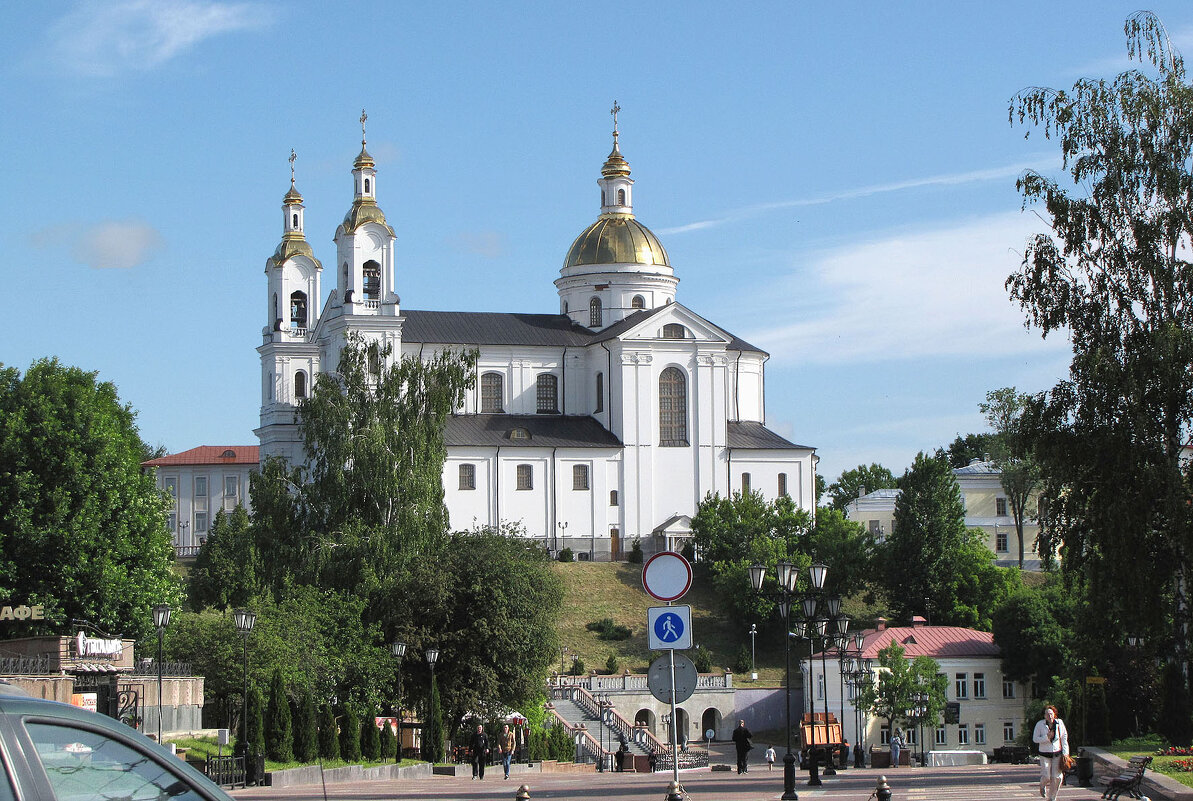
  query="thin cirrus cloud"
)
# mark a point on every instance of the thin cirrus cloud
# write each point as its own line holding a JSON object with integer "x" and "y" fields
{"x": 911, "y": 295}
{"x": 947, "y": 179}
{"x": 109, "y": 245}
{"x": 103, "y": 40}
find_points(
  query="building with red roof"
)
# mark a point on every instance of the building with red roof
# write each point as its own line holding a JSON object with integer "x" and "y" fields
{"x": 991, "y": 706}
{"x": 202, "y": 481}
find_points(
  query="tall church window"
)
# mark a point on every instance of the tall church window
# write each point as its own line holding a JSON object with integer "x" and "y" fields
{"x": 298, "y": 310}
{"x": 638, "y": 302}
{"x": 673, "y": 408}
{"x": 745, "y": 483}
{"x": 467, "y": 476}
{"x": 594, "y": 313}
{"x": 600, "y": 392}
{"x": 491, "y": 393}
{"x": 366, "y": 186}
{"x": 372, "y": 276}
{"x": 673, "y": 331}
{"x": 613, "y": 497}
{"x": 295, "y": 222}
{"x": 621, "y": 197}
{"x": 579, "y": 477}
{"x": 782, "y": 485}
{"x": 547, "y": 393}
{"x": 300, "y": 384}
{"x": 525, "y": 477}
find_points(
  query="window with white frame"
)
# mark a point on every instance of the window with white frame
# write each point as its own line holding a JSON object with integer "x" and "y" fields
{"x": 963, "y": 734}
{"x": 171, "y": 487}
{"x": 962, "y": 686}
{"x": 200, "y": 522}
{"x": 979, "y": 685}
{"x": 467, "y": 476}
{"x": 979, "y": 734}
{"x": 884, "y": 735}
{"x": 911, "y": 736}
{"x": 1000, "y": 507}
{"x": 579, "y": 477}
{"x": 594, "y": 313}
{"x": 547, "y": 393}
{"x": 525, "y": 477}
{"x": 1008, "y": 731}
{"x": 1008, "y": 688}
{"x": 673, "y": 408}
{"x": 942, "y": 736}
{"x": 200, "y": 486}
{"x": 172, "y": 522}
{"x": 492, "y": 401}
{"x": 1001, "y": 541}
{"x": 231, "y": 486}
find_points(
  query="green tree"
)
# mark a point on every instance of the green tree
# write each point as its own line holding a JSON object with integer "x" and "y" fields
{"x": 1033, "y": 631}
{"x": 279, "y": 733}
{"x": 433, "y": 750}
{"x": 350, "y": 735}
{"x": 225, "y": 571}
{"x": 255, "y": 739}
{"x": 1114, "y": 278}
{"x": 858, "y": 481}
{"x": 931, "y": 564}
{"x": 306, "y": 728}
{"x": 388, "y": 743}
{"x": 898, "y": 680}
{"x": 329, "y": 734}
{"x": 82, "y": 528}
{"x": 966, "y": 449}
{"x": 1019, "y": 474}
{"x": 370, "y": 739}
{"x": 847, "y": 548}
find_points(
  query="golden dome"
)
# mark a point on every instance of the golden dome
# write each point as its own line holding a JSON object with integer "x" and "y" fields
{"x": 364, "y": 159}
{"x": 616, "y": 239}
{"x": 292, "y": 198}
{"x": 615, "y": 164}
{"x": 292, "y": 244}
{"x": 364, "y": 210}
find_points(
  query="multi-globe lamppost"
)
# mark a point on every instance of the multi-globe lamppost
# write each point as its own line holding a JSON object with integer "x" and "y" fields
{"x": 244, "y": 620}
{"x": 399, "y": 651}
{"x": 788, "y": 576}
{"x": 846, "y": 659}
{"x": 161, "y": 619}
{"x": 858, "y": 676}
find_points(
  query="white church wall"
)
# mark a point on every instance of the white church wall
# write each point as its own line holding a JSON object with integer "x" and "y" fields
{"x": 764, "y": 469}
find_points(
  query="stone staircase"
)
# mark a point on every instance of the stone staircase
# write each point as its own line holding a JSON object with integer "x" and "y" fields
{"x": 575, "y": 715}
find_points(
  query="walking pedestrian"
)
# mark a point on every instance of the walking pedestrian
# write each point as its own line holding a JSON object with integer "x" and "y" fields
{"x": 1053, "y": 739}
{"x": 506, "y": 745}
{"x": 480, "y": 752}
{"x": 770, "y": 757}
{"x": 741, "y": 740}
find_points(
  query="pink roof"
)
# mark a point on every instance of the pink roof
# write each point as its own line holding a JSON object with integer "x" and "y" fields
{"x": 208, "y": 454}
{"x": 938, "y": 642}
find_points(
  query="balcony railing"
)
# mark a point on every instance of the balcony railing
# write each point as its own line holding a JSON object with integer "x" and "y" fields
{"x": 186, "y": 551}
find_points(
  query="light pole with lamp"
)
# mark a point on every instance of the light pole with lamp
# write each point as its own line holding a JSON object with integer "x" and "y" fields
{"x": 161, "y": 619}
{"x": 832, "y": 607}
{"x": 563, "y": 651}
{"x": 788, "y": 577}
{"x": 245, "y": 619}
{"x": 399, "y": 651}
{"x": 432, "y": 655}
{"x": 753, "y": 653}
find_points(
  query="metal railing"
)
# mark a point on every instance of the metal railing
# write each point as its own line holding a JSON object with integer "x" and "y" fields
{"x": 148, "y": 667}
{"x": 226, "y": 771}
{"x": 27, "y": 664}
{"x": 639, "y": 735}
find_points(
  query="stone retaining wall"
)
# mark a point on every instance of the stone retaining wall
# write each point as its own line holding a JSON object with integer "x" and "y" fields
{"x": 1154, "y": 785}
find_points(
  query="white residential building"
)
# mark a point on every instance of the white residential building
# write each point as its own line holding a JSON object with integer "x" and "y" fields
{"x": 595, "y": 424}
{"x": 202, "y": 481}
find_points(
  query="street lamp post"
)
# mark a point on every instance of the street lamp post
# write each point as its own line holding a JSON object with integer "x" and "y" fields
{"x": 161, "y": 619}
{"x": 244, "y": 620}
{"x": 432, "y": 655}
{"x": 563, "y": 651}
{"x": 753, "y": 653}
{"x": 399, "y": 651}
{"x": 833, "y": 609}
{"x": 788, "y": 577}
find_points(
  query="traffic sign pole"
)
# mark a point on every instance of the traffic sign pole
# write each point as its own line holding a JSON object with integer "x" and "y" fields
{"x": 674, "y": 725}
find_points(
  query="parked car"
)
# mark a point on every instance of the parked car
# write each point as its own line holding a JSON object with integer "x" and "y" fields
{"x": 57, "y": 752}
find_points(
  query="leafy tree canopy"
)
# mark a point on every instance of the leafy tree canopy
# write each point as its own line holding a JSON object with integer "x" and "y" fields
{"x": 851, "y": 483}
{"x": 965, "y": 449}
{"x": 1019, "y": 472}
{"x": 1114, "y": 276}
{"x": 847, "y": 548}
{"x": 1033, "y": 630}
{"x": 82, "y": 529}
{"x": 897, "y": 683}
{"x": 225, "y": 571}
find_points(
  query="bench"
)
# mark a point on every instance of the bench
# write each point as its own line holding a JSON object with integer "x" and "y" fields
{"x": 1128, "y": 781}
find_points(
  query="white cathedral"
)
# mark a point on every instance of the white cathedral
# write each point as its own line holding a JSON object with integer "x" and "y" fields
{"x": 605, "y": 423}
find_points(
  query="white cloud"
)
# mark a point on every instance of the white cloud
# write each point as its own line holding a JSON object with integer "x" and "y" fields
{"x": 110, "y": 245}
{"x": 947, "y": 179}
{"x": 106, "y": 39}
{"x": 908, "y": 296}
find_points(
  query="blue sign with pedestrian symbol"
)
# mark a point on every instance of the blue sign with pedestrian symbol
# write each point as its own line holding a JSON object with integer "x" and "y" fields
{"x": 669, "y": 627}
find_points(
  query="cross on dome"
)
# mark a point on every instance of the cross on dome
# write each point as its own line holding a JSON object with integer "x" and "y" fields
{"x": 292, "y": 160}
{"x": 363, "y": 118}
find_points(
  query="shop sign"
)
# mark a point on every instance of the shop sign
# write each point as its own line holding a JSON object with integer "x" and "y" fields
{"x": 95, "y": 646}
{"x": 23, "y": 612}
{"x": 88, "y": 701}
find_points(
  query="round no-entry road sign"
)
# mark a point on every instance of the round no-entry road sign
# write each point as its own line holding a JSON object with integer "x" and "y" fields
{"x": 667, "y": 576}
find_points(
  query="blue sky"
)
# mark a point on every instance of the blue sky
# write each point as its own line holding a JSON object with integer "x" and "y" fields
{"x": 834, "y": 182}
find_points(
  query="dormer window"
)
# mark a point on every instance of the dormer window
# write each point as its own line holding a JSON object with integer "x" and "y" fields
{"x": 228, "y": 454}
{"x": 519, "y": 433}
{"x": 372, "y": 277}
{"x": 638, "y": 302}
{"x": 298, "y": 310}
{"x": 673, "y": 331}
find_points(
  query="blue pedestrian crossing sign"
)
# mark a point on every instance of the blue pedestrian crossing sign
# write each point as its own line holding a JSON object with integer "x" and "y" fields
{"x": 669, "y": 628}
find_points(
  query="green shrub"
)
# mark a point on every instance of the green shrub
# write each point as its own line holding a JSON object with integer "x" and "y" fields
{"x": 306, "y": 728}
{"x": 578, "y": 667}
{"x": 688, "y": 551}
{"x": 388, "y": 742}
{"x": 612, "y": 665}
{"x": 1174, "y": 719}
{"x": 635, "y": 556}
{"x": 744, "y": 661}
{"x": 349, "y": 736}
{"x": 566, "y": 555}
{"x": 370, "y": 739}
{"x": 279, "y": 735}
{"x": 606, "y": 629}
{"x": 329, "y": 735}
{"x": 560, "y": 745}
{"x": 702, "y": 659}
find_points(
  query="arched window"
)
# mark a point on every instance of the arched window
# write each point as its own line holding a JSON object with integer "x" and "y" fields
{"x": 613, "y": 497}
{"x": 600, "y": 392}
{"x": 565, "y": 307}
{"x": 673, "y": 408}
{"x": 638, "y": 302}
{"x": 745, "y": 483}
{"x": 298, "y": 310}
{"x": 782, "y": 485}
{"x": 491, "y": 394}
{"x": 295, "y": 223}
{"x": 547, "y": 393}
{"x": 467, "y": 476}
{"x": 372, "y": 276}
{"x": 594, "y": 313}
{"x": 366, "y": 186}
{"x": 621, "y": 197}
{"x": 300, "y": 384}
{"x": 673, "y": 331}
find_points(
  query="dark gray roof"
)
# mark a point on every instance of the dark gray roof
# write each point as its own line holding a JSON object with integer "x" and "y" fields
{"x": 505, "y": 328}
{"x": 748, "y": 434}
{"x": 546, "y": 431}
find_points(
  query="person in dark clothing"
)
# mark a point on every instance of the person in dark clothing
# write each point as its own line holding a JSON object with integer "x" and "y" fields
{"x": 741, "y": 739}
{"x": 619, "y": 757}
{"x": 480, "y": 752}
